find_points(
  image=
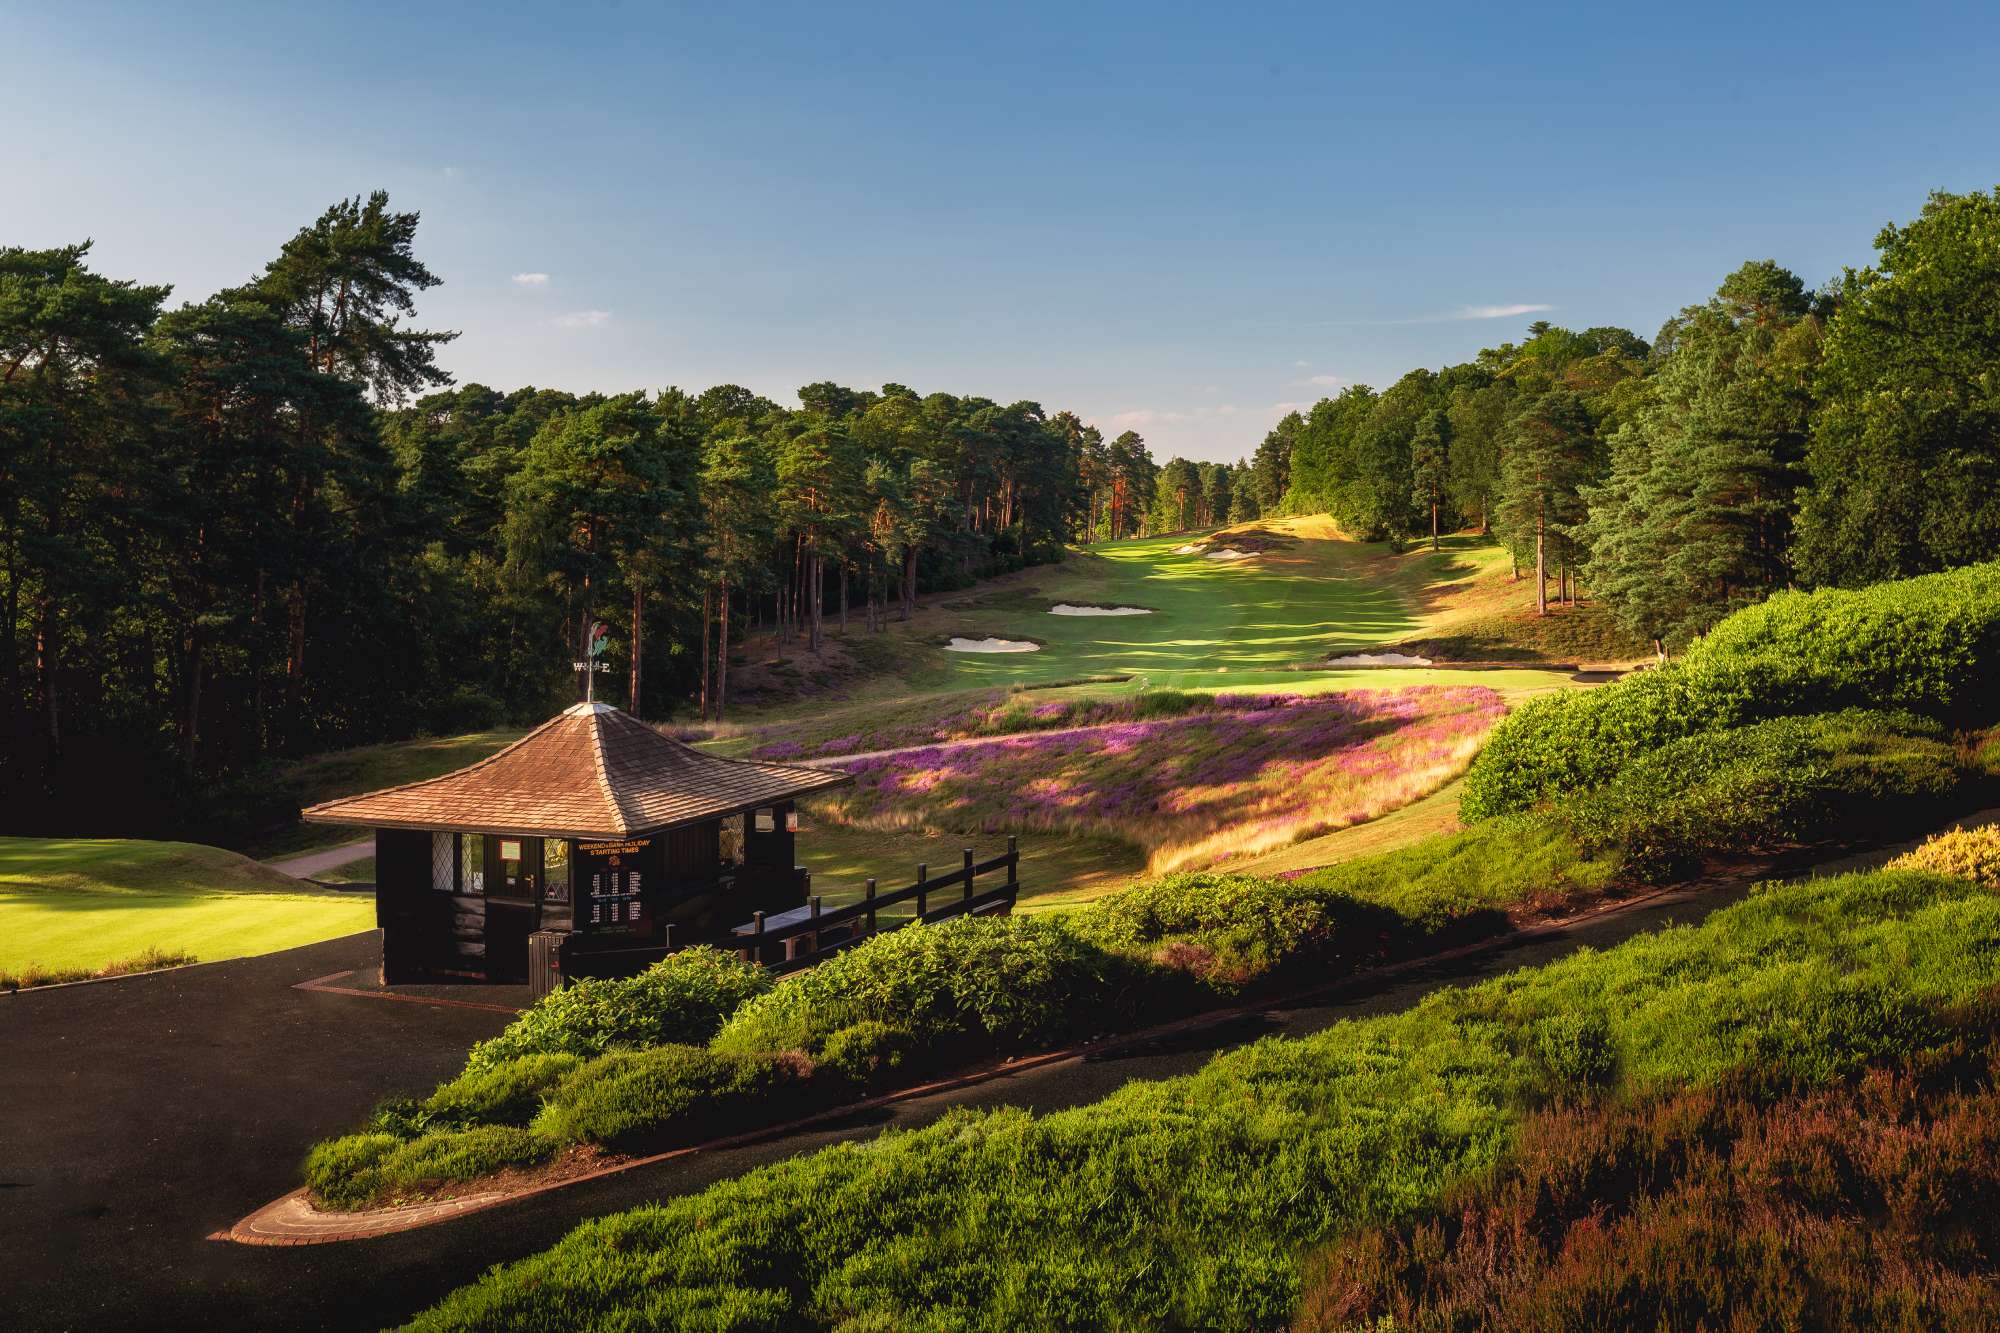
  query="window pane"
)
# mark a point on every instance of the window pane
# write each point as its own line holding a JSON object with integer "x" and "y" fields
{"x": 472, "y": 863}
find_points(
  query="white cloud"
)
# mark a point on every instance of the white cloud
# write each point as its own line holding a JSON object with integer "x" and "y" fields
{"x": 1325, "y": 381}
{"x": 1225, "y": 409}
{"x": 1497, "y": 311}
{"x": 1283, "y": 408}
{"x": 1143, "y": 416}
{"x": 583, "y": 319}
{"x": 1300, "y": 365}
{"x": 531, "y": 279}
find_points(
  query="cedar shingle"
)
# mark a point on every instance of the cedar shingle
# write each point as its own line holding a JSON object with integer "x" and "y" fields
{"x": 589, "y": 772}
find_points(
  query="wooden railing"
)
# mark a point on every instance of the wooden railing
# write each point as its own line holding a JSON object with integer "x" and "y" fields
{"x": 803, "y": 936}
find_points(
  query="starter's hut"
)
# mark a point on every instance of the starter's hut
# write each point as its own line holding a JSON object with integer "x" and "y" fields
{"x": 594, "y": 834}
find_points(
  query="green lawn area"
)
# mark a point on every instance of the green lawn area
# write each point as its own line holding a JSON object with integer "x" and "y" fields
{"x": 86, "y": 902}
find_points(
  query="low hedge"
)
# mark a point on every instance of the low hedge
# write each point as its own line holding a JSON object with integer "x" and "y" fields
{"x": 960, "y": 988}
{"x": 683, "y": 998}
{"x": 675, "y": 1095}
{"x": 1763, "y": 786}
{"x": 1930, "y": 645}
{"x": 1972, "y": 854}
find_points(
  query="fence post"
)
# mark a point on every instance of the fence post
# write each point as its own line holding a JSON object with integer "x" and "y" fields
{"x": 871, "y": 907}
{"x": 923, "y": 898}
{"x": 967, "y": 897}
{"x": 757, "y": 949}
{"x": 815, "y": 917}
{"x": 1013, "y": 861}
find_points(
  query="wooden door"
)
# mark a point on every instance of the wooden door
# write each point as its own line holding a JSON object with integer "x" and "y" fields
{"x": 513, "y": 893}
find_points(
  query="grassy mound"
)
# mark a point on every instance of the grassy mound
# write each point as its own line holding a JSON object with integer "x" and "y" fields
{"x": 1192, "y": 1199}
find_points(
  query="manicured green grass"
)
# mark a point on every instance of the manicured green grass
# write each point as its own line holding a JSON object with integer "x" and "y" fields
{"x": 84, "y": 902}
{"x": 1434, "y": 814}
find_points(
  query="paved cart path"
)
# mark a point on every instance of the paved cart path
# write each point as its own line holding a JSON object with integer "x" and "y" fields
{"x": 318, "y": 863}
{"x": 146, "y": 1113}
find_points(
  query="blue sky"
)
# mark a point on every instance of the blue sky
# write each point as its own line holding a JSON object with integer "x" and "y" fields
{"x": 1180, "y": 219}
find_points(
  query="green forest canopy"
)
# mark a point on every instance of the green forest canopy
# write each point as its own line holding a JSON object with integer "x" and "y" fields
{"x": 267, "y": 524}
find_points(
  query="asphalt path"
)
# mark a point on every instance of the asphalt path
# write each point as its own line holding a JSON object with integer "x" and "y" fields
{"x": 141, "y": 1115}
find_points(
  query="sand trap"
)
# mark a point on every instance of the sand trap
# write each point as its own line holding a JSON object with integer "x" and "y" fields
{"x": 1380, "y": 659}
{"x": 992, "y": 646}
{"x": 1065, "y": 609}
{"x": 1189, "y": 549}
{"x": 1226, "y": 553}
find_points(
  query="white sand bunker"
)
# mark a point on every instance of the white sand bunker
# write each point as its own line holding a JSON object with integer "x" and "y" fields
{"x": 1189, "y": 549}
{"x": 958, "y": 645}
{"x": 1226, "y": 553}
{"x": 1380, "y": 659}
{"x": 1065, "y": 609}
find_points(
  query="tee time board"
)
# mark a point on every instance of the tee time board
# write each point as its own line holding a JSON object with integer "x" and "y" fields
{"x": 613, "y": 878}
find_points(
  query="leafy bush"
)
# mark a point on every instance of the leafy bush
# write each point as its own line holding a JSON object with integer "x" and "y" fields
{"x": 507, "y": 1093}
{"x": 443, "y": 1156}
{"x": 683, "y": 998}
{"x": 1930, "y": 645}
{"x": 869, "y": 1053}
{"x": 1193, "y": 1199}
{"x": 675, "y": 1095}
{"x": 1972, "y": 854}
{"x": 963, "y": 985}
{"x": 345, "y": 1172}
{"x": 1762, "y": 786}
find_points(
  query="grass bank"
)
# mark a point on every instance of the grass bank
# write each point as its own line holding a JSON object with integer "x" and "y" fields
{"x": 72, "y": 905}
{"x": 1192, "y": 1199}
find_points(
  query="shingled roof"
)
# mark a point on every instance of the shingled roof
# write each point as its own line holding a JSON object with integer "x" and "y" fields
{"x": 589, "y": 772}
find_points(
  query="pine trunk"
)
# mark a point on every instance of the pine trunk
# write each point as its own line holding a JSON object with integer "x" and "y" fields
{"x": 1541, "y": 572}
{"x": 722, "y": 658}
{"x": 1434, "y": 527}
{"x": 638, "y": 648}
{"x": 707, "y": 623}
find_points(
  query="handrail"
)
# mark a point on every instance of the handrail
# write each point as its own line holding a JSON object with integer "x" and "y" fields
{"x": 859, "y": 920}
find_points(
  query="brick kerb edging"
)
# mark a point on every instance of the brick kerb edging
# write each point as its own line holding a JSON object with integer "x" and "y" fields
{"x": 292, "y": 1220}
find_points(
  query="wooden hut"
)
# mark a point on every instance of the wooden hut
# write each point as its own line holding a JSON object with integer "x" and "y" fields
{"x": 594, "y": 837}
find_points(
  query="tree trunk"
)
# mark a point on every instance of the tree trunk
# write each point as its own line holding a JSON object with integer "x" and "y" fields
{"x": 707, "y": 620}
{"x": 1434, "y": 526}
{"x": 191, "y": 720}
{"x": 1541, "y": 572}
{"x": 638, "y": 646}
{"x": 843, "y": 596}
{"x": 818, "y": 595}
{"x": 46, "y": 648}
{"x": 722, "y": 659}
{"x": 909, "y": 589}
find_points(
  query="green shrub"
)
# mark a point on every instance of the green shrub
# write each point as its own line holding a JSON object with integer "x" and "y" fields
{"x": 1972, "y": 854}
{"x": 673, "y": 1095}
{"x": 683, "y": 998}
{"x": 507, "y": 1093}
{"x": 447, "y": 1155}
{"x": 1930, "y": 645}
{"x": 345, "y": 1172}
{"x": 869, "y": 1053}
{"x": 1225, "y": 929}
{"x": 1194, "y": 1199}
{"x": 965, "y": 985}
{"x": 1762, "y": 786}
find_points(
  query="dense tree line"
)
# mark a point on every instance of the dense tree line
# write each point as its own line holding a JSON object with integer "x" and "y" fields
{"x": 1771, "y": 436}
{"x": 266, "y": 524}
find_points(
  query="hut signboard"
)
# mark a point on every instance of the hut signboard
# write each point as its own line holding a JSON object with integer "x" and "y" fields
{"x": 615, "y": 877}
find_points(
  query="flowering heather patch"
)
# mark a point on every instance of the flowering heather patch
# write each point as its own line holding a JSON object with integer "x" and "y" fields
{"x": 1256, "y": 772}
